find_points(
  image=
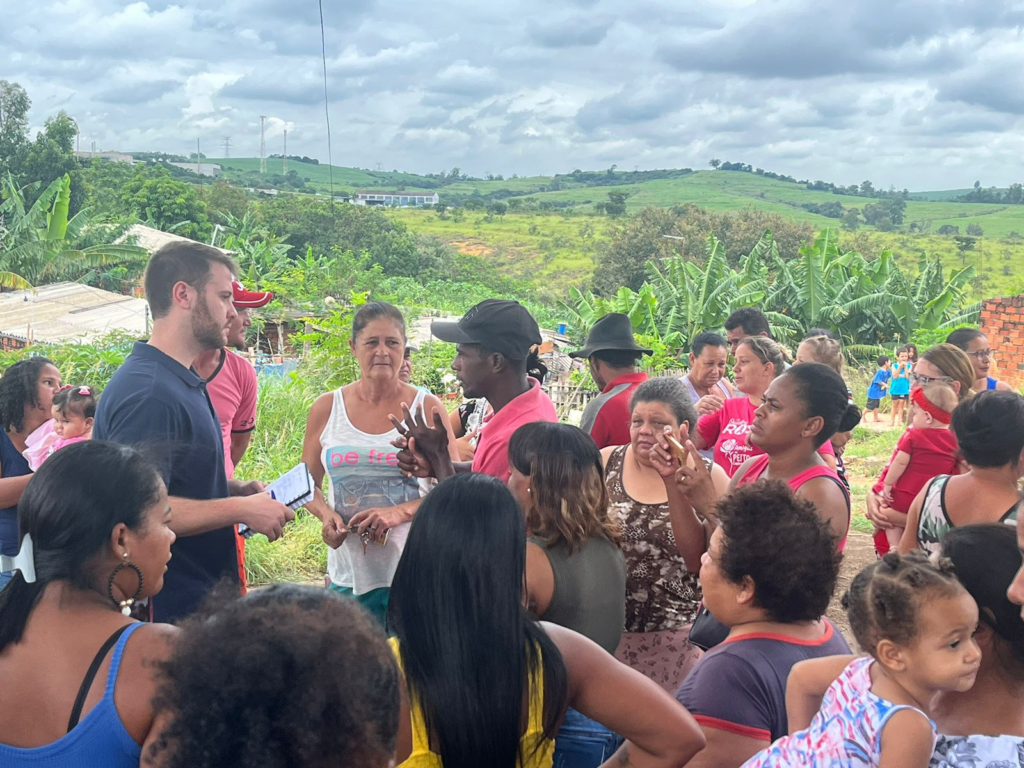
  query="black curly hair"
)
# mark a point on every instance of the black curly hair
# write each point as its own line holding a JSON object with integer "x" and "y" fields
{"x": 884, "y": 599}
{"x": 19, "y": 386}
{"x": 792, "y": 562}
{"x": 319, "y": 687}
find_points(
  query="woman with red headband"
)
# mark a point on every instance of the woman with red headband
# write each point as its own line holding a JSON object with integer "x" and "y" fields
{"x": 989, "y": 428}
{"x": 927, "y": 449}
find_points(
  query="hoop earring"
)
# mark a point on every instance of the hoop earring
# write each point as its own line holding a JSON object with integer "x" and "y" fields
{"x": 125, "y": 606}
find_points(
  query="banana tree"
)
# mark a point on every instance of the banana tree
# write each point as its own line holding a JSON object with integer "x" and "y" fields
{"x": 41, "y": 243}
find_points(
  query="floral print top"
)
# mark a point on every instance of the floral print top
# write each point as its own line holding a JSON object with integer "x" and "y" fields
{"x": 978, "y": 752}
{"x": 660, "y": 592}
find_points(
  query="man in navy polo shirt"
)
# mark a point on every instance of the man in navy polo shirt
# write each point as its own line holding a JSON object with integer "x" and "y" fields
{"x": 155, "y": 400}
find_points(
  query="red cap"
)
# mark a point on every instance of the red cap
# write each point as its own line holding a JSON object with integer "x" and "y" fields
{"x": 244, "y": 299}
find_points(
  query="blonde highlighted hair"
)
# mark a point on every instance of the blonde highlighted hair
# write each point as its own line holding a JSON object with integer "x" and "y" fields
{"x": 954, "y": 364}
{"x": 827, "y": 351}
{"x": 568, "y": 495}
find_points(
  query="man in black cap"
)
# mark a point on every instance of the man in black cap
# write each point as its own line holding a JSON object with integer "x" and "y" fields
{"x": 494, "y": 340}
{"x": 612, "y": 355}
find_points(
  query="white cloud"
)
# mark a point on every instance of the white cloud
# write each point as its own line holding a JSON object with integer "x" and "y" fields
{"x": 917, "y": 93}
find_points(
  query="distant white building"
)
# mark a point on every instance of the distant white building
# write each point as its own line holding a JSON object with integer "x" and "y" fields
{"x": 113, "y": 157}
{"x": 203, "y": 169}
{"x": 395, "y": 199}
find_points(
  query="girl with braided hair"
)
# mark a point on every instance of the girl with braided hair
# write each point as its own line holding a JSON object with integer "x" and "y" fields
{"x": 27, "y": 389}
{"x": 917, "y": 624}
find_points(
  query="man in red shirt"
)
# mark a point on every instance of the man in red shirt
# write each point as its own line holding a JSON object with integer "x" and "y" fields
{"x": 494, "y": 341}
{"x": 232, "y": 387}
{"x": 612, "y": 355}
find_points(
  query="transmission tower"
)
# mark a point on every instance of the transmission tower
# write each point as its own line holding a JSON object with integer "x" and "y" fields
{"x": 263, "y": 146}
{"x": 227, "y": 146}
{"x": 285, "y": 167}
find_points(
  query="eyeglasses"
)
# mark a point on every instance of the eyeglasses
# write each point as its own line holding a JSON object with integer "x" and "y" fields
{"x": 983, "y": 354}
{"x": 918, "y": 378}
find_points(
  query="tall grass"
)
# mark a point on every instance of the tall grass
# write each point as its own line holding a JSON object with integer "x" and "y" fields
{"x": 300, "y": 555}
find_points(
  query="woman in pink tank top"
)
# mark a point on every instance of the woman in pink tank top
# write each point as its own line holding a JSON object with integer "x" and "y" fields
{"x": 799, "y": 412}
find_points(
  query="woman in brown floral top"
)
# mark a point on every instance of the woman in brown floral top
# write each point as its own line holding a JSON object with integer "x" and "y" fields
{"x": 662, "y": 546}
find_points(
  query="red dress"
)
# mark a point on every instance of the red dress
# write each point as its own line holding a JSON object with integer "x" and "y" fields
{"x": 932, "y": 452}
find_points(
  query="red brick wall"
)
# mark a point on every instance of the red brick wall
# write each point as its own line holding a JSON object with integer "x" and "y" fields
{"x": 8, "y": 344}
{"x": 1002, "y": 320}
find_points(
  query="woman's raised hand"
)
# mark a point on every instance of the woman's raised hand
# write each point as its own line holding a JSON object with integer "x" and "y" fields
{"x": 662, "y": 459}
{"x": 695, "y": 482}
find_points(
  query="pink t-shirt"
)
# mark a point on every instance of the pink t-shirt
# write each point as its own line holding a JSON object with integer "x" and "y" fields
{"x": 233, "y": 392}
{"x": 491, "y": 457}
{"x": 728, "y": 430}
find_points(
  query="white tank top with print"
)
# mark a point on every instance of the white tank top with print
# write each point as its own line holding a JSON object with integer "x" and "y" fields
{"x": 362, "y": 473}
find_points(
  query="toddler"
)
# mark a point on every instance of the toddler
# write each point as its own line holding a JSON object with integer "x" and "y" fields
{"x": 927, "y": 449}
{"x": 879, "y": 385}
{"x": 74, "y": 410}
{"x": 917, "y": 624}
{"x": 899, "y": 389}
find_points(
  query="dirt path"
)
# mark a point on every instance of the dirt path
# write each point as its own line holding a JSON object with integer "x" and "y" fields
{"x": 860, "y": 551}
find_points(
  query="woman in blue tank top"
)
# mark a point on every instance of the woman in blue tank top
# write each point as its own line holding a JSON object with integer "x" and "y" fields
{"x": 78, "y": 673}
{"x": 975, "y": 344}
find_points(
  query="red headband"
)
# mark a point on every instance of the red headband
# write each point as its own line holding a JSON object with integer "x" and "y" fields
{"x": 926, "y": 405}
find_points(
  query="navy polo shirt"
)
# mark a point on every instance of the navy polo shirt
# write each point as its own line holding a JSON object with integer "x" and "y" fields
{"x": 156, "y": 404}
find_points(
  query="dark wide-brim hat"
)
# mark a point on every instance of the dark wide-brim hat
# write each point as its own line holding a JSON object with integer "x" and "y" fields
{"x": 611, "y": 332}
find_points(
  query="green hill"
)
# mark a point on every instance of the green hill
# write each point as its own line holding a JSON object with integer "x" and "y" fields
{"x": 715, "y": 190}
{"x": 544, "y": 247}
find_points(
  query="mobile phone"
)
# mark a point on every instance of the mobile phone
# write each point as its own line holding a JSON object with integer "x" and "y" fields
{"x": 676, "y": 448}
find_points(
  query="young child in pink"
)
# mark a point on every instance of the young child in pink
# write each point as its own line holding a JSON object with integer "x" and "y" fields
{"x": 74, "y": 411}
{"x": 927, "y": 449}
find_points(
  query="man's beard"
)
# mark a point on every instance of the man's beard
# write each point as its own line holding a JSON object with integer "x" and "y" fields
{"x": 205, "y": 330}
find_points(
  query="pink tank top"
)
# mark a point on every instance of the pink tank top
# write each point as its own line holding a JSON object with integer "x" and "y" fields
{"x": 760, "y": 464}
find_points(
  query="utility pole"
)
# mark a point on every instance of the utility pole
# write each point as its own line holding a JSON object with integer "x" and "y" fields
{"x": 263, "y": 146}
{"x": 199, "y": 167}
{"x": 227, "y": 146}
{"x": 285, "y": 165}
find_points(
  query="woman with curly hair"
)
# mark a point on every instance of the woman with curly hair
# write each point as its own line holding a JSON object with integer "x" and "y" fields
{"x": 27, "y": 389}
{"x": 770, "y": 585}
{"x": 321, "y": 688}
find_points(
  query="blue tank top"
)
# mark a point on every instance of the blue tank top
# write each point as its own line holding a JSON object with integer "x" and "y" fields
{"x": 100, "y": 739}
{"x": 991, "y": 383}
{"x": 12, "y": 464}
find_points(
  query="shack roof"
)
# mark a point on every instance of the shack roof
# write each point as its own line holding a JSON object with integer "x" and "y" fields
{"x": 69, "y": 312}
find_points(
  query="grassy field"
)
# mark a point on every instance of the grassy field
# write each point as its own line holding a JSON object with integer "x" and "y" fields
{"x": 558, "y": 249}
{"x": 319, "y": 176}
{"x": 553, "y": 249}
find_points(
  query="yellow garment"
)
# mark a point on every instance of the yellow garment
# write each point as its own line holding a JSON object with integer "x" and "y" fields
{"x": 422, "y": 757}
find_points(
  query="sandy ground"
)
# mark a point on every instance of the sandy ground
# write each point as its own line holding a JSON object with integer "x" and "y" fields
{"x": 860, "y": 551}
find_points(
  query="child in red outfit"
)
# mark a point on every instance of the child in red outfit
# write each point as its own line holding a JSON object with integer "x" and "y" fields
{"x": 927, "y": 449}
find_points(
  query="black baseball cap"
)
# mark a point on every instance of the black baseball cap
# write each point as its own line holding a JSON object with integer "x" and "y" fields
{"x": 498, "y": 325}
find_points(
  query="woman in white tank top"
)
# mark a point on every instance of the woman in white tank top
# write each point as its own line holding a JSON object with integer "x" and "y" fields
{"x": 369, "y": 503}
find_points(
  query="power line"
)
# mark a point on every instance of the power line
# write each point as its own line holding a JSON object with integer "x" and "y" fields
{"x": 327, "y": 110}
{"x": 263, "y": 146}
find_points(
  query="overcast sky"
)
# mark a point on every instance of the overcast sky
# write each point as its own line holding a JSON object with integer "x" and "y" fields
{"x": 925, "y": 94}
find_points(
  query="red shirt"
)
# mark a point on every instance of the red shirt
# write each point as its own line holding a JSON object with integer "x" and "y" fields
{"x": 606, "y": 418}
{"x": 728, "y": 430}
{"x": 932, "y": 452}
{"x": 233, "y": 392}
{"x": 491, "y": 457}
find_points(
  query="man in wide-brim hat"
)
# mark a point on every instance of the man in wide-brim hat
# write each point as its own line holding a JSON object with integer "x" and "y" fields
{"x": 612, "y": 355}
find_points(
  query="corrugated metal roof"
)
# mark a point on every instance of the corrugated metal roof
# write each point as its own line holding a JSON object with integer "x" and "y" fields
{"x": 69, "y": 312}
{"x": 153, "y": 239}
